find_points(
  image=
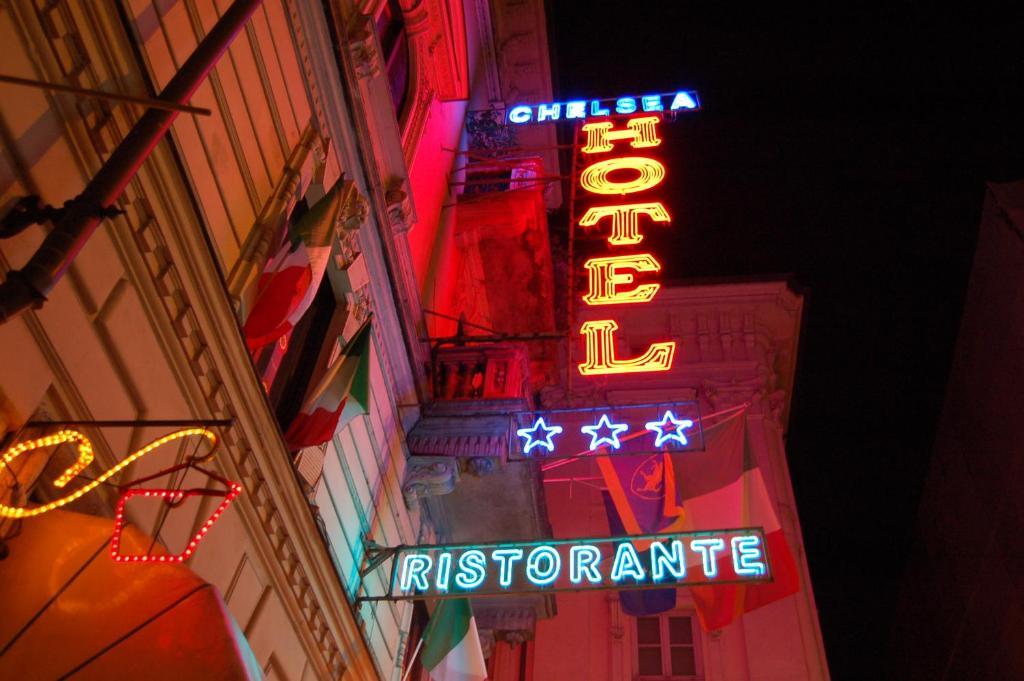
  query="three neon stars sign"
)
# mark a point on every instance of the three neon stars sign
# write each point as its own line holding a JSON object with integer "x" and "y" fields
{"x": 628, "y": 430}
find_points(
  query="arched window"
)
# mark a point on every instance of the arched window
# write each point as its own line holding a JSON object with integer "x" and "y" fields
{"x": 394, "y": 44}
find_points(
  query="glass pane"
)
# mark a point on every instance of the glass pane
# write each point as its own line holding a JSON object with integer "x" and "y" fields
{"x": 389, "y": 25}
{"x": 680, "y": 630}
{"x": 683, "y": 661}
{"x": 650, "y": 661}
{"x": 647, "y": 630}
{"x": 398, "y": 73}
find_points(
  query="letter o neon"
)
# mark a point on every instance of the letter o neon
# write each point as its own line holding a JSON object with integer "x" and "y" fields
{"x": 543, "y": 576}
{"x": 648, "y": 174}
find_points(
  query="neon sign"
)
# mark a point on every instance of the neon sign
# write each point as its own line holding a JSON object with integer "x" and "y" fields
{"x": 530, "y": 439}
{"x": 678, "y": 426}
{"x": 626, "y": 430}
{"x": 581, "y": 109}
{"x": 637, "y": 562}
{"x": 173, "y": 497}
{"x": 621, "y": 279}
{"x": 598, "y": 430}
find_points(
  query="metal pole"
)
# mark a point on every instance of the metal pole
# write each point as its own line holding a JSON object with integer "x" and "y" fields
{"x": 570, "y": 311}
{"x": 30, "y": 285}
{"x": 100, "y": 94}
{"x": 505, "y": 150}
{"x": 497, "y": 338}
{"x": 157, "y": 423}
{"x": 505, "y": 180}
{"x": 412, "y": 660}
{"x": 255, "y": 250}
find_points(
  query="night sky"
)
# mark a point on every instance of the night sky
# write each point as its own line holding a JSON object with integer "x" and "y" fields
{"x": 849, "y": 148}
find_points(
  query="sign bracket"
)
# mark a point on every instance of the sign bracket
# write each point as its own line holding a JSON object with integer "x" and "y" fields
{"x": 376, "y": 555}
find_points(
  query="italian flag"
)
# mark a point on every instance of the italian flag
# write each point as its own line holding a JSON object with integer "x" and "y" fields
{"x": 451, "y": 650}
{"x": 342, "y": 394}
{"x": 722, "y": 487}
{"x": 292, "y": 276}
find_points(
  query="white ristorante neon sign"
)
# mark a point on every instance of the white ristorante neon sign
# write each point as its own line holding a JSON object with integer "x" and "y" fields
{"x": 637, "y": 562}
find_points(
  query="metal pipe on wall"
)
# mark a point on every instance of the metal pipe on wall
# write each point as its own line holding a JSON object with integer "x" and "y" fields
{"x": 29, "y": 286}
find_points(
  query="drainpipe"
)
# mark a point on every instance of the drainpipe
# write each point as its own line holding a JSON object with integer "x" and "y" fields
{"x": 29, "y": 286}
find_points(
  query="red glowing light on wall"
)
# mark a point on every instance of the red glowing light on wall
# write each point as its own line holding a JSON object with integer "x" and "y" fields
{"x": 172, "y": 496}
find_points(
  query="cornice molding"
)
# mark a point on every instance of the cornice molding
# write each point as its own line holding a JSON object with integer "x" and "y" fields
{"x": 199, "y": 319}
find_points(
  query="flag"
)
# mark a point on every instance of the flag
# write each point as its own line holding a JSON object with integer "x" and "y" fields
{"x": 722, "y": 487}
{"x": 639, "y": 602}
{"x": 342, "y": 394}
{"x": 451, "y": 649}
{"x": 636, "y": 503}
{"x": 636, "y": 487}
{"x": 292, "y": 276}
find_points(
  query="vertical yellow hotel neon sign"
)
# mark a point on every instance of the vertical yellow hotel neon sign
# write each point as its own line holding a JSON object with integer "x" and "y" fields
{"x": 611, "y": 279}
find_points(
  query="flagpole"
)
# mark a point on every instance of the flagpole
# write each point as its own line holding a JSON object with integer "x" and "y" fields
{"x": 412, "y": 660}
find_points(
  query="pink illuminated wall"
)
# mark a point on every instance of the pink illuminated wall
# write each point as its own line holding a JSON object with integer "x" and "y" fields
{"x": 737, "y": 344}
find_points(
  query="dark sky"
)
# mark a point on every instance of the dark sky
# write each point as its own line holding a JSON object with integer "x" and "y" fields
{"x": 848, "y": 147}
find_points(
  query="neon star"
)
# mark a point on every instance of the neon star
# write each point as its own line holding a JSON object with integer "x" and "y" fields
{"x": 669, "y": 428}
{"x": 531, "y": 439}
{"x": 604, "y": 423}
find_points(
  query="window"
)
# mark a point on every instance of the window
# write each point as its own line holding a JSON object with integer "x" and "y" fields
{"x": 395, "y": 47}
{"x": 668, "y": 648}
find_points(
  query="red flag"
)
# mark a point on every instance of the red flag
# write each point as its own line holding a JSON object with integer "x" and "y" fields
{"x": 291, "y": 277}
{"x": 722, "y": 487}
{"x": 343, "y": 393}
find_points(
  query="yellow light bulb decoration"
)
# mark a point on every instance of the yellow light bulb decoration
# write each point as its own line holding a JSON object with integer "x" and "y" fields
{"x": 85, "y": 457}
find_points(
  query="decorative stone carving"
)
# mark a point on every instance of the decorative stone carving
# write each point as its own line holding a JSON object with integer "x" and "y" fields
{"x": 428, "y": 476}
{"x": 354, "y": 213}
{"x": 486, "y": 642}
{"x": 725, "y": 396}
{"x": 362, "y": 45}
{"x": 360, "y": 304}
{"x": 514, "y": 624}
{"x": 444, "y": 45}
{"x": 417, "y": 16}
{"x": 480, "y": 465}
{"x": 352, "y": 218}
{"x": 398, "y": 205}
{"x": 414, "y": 120}
{"x": 348, "y": 250}
{"x": 516, "y": 637}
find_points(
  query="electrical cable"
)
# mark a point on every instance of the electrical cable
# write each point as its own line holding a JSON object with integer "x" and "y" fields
{"x": 53, "y": 598}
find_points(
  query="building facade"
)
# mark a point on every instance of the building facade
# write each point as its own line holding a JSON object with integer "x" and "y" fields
{"x": 145, "y": 326}
{"x": 968, "y": 505}
{"x": 440, "y": 245}
{"x": 737, "y": 352}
